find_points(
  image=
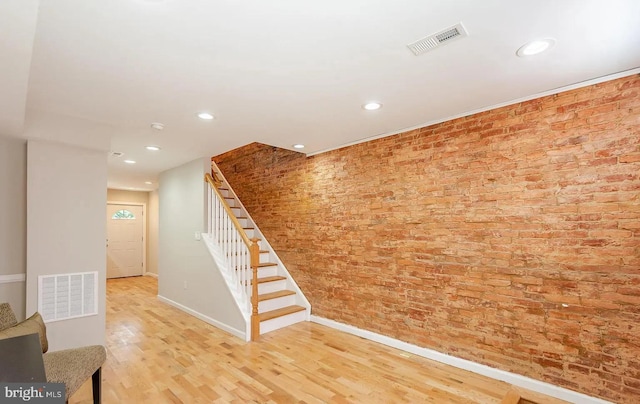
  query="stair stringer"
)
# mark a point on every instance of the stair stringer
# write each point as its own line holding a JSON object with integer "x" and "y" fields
{"x": 233, "y": 286}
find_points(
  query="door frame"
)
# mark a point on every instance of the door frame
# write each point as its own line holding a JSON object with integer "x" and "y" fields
{"x": 144, "y": 229}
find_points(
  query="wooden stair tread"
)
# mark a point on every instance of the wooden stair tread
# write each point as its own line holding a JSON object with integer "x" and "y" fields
{"x": 271, "y": 279}
{"x": 275, "y": 295}
{"x": 266, "y": 264}
{"x": 270, "y": 315}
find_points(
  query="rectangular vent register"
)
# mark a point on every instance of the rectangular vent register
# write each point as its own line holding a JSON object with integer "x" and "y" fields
{"x": 61, "y": 297}
{"x": 438, "y": 39}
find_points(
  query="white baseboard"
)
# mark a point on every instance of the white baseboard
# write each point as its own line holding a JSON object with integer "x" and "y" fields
{"x": 151, "y": 274}
{"x": 206, "y": 319}
{"x": 508, "y": 377}
{"x": 13, "y": 278}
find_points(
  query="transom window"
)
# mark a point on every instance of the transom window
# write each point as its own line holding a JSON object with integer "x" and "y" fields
{"x": 123, "y": 214}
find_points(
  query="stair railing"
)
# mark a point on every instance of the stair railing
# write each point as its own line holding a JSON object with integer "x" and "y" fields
{"x": 241, "y": 254}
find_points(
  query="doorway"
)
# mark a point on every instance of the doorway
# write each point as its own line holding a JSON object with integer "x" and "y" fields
{"x": 125, "y": 240}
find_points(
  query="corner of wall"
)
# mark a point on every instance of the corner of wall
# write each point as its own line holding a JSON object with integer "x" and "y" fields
{"x": 66, "y": 228}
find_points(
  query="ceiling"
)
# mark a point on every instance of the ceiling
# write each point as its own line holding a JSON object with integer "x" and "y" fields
{"x": 97, "y": 73}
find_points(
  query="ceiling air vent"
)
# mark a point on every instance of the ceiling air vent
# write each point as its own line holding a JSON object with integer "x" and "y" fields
{"x": 116, "y": 154}
{"x": 438, "y": 39}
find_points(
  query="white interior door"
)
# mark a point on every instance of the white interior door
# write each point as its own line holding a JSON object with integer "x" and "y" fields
{"x": 124, "y": 240}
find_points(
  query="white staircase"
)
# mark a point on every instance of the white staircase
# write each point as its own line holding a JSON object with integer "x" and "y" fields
{"x": 231, "y": 229}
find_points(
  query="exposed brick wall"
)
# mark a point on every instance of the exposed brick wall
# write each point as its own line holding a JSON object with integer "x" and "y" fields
{"x": 469, "y": 236}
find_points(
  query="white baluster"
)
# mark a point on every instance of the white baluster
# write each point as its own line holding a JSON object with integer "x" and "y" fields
{"x": 234, "y": 251}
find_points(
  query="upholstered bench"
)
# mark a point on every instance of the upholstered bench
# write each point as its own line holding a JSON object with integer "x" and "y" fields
{"x": 70, "y": 366}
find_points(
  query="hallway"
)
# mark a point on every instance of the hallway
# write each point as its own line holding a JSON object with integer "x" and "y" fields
{"x": 158, "y": 354}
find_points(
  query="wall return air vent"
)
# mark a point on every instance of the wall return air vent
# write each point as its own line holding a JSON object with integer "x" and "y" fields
{"x": 438, "y": 39}
{"x": 67, "y": 295}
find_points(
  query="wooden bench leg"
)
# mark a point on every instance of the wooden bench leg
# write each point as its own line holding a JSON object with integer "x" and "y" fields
{"x": 96, "y": 381}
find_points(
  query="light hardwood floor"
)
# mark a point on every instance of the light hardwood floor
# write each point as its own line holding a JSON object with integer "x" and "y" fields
{"x": 158, "y": 354}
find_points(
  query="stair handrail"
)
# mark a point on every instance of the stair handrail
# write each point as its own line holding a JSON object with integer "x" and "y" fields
{"x": 254, "y": 253}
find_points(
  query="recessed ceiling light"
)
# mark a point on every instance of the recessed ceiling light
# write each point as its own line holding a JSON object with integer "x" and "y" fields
{"x": 148, "y": 182}
{"x": 157, "y": 126}
{"x": 152, "y": 148}
{"x": 130, "y": 161}
{"x": 298, "y": 146}
{"x": 372, "y": 106}
{"x": 535, "y": 47}
{"x": 205, "y": 115}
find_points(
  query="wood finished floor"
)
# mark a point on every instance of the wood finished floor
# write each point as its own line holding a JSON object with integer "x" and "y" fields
{"x": 158, "y": 354}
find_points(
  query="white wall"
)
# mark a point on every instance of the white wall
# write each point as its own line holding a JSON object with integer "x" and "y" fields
{"x": 66, "y": 229}
{"x": 121, "y": 195}
{"x": 187, "y": 274}
{"x": 13, "y": 223}
{"x": 18, "y": 20}
{"x": 152, "y": 234}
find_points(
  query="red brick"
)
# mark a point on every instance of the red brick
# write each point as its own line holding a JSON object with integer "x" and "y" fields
{"x": 630, "y": 158}
{"x": 468, "y": 236}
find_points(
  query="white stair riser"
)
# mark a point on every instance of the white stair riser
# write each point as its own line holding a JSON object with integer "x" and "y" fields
{"x": 280, "y": 322}
{"x": 269, "y": 287}
{"x": 263, "y": 272}
{"x": 273, "y": 304}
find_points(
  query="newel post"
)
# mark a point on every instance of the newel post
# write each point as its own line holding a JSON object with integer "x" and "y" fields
{"x": 254, "y": 251}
